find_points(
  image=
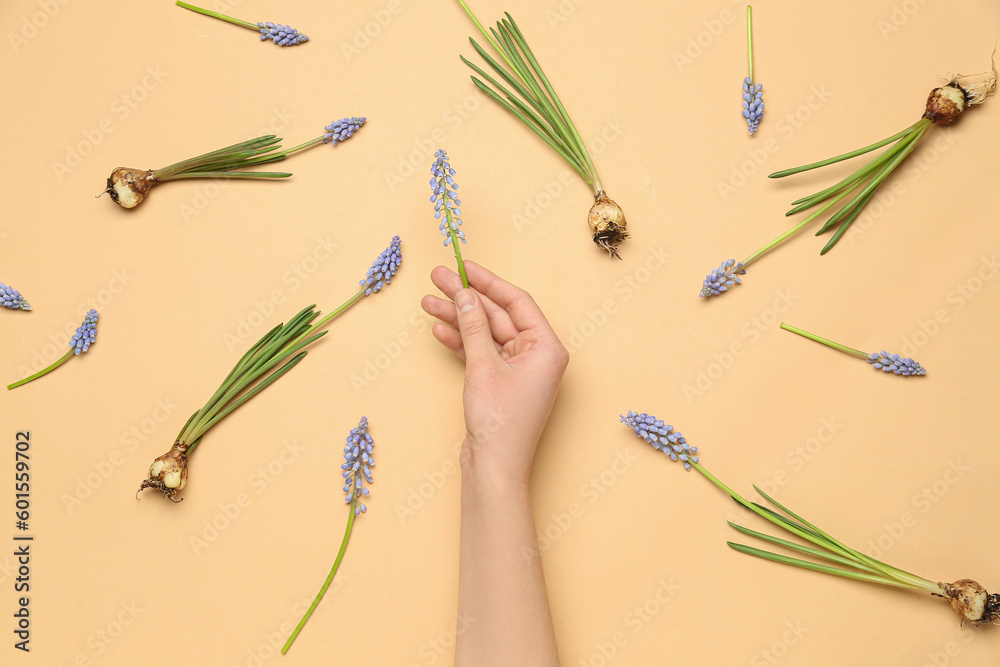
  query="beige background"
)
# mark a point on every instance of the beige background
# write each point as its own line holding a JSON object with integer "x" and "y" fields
{"x": 116, "y": 582}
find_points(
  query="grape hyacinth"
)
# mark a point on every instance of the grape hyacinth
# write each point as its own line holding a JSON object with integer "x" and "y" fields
{"x": 893, "y": 363}
{"x": 661, "y": 436}
{"x": 85, "y": 334}
{"x": 84, "y": 337}
{"x": 383, "y": 268}
{"x": 343, "y": 129}
{"x": 446, "y": 204}
{"x": 889, "y": 363}
{"x": 11, "y": 298}
{"x": 968, "y": 598}
{"x": 722, "y": 278}
{"x": 358, "y": 464}
{"x": 357, "y": 470}
{"x": 282, "y": 35}
{"x": 753, "y": 104}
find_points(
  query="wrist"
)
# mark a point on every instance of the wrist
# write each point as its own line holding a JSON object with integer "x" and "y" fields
{"x": 485, "y": 475}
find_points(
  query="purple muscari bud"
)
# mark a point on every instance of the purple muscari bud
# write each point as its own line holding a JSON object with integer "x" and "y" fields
{"x": 753, "y": 104}
{"x": 893, "y": 363}
{"x": 382, "y": 270}
{"x": 282, "y": 35}
{"x": 358, "y": 440}
{"x": 722, "y": 278}
{"x": 661, "y": 436}
{"x": 443, "y": 186}
{"x": 85, "y": 334}
{"x": 343, "y": 129}
{"x": 11, "y": 298}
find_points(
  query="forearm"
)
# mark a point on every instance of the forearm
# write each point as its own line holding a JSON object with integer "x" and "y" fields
{"x": 502, "y": 596}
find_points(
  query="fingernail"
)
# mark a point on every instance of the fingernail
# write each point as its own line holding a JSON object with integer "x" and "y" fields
{"x": 465, "y": 301}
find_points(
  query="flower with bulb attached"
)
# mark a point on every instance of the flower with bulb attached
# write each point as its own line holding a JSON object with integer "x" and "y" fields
{"x": 893, "y": 363}
{"x": 282, "y": 35}
{"x": 753, "y": 104}
{"x": 661, "y": 436}
{"x": 343, "y": 129}
{"x": 85, "y": 334}
{"x": 445, "y": 197}
{"x": 383, "y": 268}
{"x": 722, "y": 278}
{"x": 11, "y": 298}
{"x": 357, "y": 466}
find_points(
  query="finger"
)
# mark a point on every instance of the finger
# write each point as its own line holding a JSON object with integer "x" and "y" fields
{"x": 450, "y": 338}
{"x": 449, "y": 283}
{"x": 442, "y": 309}
{"x": 474, "y": 326}
{"x": 523, "y": 311}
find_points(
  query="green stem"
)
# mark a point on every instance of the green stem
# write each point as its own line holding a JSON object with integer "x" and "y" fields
{"x": 489, "y": 38}
{"x": 750, "y": 43}
{"x": 825, "y": 341}
{"x": 206, "y": 12}
{"x": 40, "y": 373}
{"x": 326, "y": 584}
{"x": 347, "y": 304}
{"x": 455, "y": 242}
{"x": 823, "y": 209}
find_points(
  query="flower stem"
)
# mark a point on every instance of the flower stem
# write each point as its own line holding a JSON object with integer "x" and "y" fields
{"x": 326, "y": 584}
{"x": 455, "y": 243}
{"x": 40, "y": 373}
{"x": 206, "y": 12}
{"x": 825, "y": 341}
{"x": 750, "y": 43}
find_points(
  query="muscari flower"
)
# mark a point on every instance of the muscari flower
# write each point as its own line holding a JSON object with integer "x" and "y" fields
{"x": 282, "y": 35}
{"x": 753, "y": 105}
{"x": 343, "y": 129}
{"x": 85, "y": 334}
{"x": 722, "y": 278}
{"x": 893, "y": 363}
{"x": 443, "y": 186}
{"x": 383, "y": 268}
{"x": 358, "y": 464}
{"x": 661, "y": 436}
{"x": 11, "y": 298}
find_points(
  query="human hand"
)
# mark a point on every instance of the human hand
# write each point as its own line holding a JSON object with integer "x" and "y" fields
{"x": 514, "y": 363}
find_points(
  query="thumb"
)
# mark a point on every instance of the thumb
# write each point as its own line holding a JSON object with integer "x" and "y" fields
{"x": 474, "y": 325}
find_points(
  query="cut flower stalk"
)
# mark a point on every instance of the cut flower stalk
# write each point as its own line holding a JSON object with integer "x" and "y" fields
{"x": 529, "y": 96}
{"x": 446, "y": 207}
{"x": 128, "y": 187}
{"x": 968, "y": 598}
{"x": 886, "y": 362}
{"x": 276, "y": 353}
{"x": 945, "y": 105}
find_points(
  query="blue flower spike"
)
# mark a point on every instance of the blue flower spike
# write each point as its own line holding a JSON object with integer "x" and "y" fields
{"x": 11, "y": 298}
{"x": 661, "y": 436}
{"x": 343, "y": 129}
{"x": 722, "y": 278}
{"x": 358, "y": 464}
{"x": 444, "y": 196}
{"x": 383, "y": 268}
